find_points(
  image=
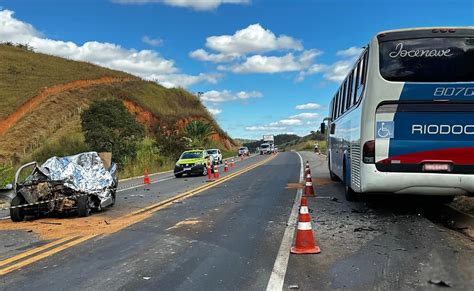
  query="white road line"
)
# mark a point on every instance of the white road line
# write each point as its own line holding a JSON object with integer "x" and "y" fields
{"x": 277, "y": 278}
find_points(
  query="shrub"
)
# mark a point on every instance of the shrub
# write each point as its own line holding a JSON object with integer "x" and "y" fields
{"x": 109, "y": 127}
{"x": 6, "y": 175}
{"x": 199, "y": 132}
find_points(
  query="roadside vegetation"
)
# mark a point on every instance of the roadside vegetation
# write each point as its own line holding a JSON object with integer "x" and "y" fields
{"x": 61, "y": 124}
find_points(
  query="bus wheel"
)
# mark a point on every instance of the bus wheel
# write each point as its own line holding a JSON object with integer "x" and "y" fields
{"x": 350, "y": 194}
{"x": 331, "y": 173}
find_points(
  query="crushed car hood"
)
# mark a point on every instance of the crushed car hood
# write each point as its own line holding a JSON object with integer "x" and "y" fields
{"x": 83, "y": 173}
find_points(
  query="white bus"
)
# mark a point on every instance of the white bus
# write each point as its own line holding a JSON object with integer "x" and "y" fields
{"x": 403, "y": 119}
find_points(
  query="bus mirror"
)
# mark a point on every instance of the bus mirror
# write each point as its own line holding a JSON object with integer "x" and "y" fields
{"x": 323, "y": 128}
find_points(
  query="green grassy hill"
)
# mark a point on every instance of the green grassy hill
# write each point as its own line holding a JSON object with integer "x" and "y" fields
{"x": 42, "y": 96}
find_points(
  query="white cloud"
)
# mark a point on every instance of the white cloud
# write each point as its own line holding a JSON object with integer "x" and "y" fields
{"x": 308, "y": 106}
{"x": 214, "y": 96}
{"x": 264, "y": 128}
{"x": 203, "y": 55}
{"x": 193, "y": 4}
{"x": 306, "y": 115}
{"x": 152, "y": 41}
{"x": 252, "y": 39}
{"x": 147, "y": 64}
{"x": 353, "y": 51}
{"x": 290, "y": 121}
{"x": 274, "y": 64}
{"x": 314, "y": 69}
{"x": 214, "y": 111}
{"x": 338, "y": 71}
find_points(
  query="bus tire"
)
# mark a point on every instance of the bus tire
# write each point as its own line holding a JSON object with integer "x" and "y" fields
{"x": 350, "y": 194}
{"x": 442, "y": 199}
{"x": 332, "y": 176}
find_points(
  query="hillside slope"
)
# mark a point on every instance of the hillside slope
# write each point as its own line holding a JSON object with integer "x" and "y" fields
{"x": 42, "y": 96}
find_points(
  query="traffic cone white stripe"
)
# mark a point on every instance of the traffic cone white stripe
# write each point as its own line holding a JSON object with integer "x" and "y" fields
{"x": 304, "y": 226}
{"x": 304, "y": 210}
{"x": 309, "y": 184}
{"x": 308, "y": 176}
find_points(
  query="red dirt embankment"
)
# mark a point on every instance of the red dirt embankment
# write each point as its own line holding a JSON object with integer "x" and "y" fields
{"x": 11, "y": 119}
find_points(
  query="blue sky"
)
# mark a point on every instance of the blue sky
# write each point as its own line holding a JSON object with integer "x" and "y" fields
{"x": 255, "y": 60}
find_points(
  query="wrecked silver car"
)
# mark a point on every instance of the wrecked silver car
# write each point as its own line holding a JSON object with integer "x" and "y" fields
{"x": 79, "y": 183}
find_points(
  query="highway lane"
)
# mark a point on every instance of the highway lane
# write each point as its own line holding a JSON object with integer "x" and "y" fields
{"x": 382, "y": 243}
{"x": 134, "y": 195}
{"x": 226, "y": 237}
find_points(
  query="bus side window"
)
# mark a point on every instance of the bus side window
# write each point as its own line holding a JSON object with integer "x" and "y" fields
{"x": 362, "y": 75}
{"x": 349, "y": 91}
{"x": 356, "y": 83}
{"x": 343, "y": 97}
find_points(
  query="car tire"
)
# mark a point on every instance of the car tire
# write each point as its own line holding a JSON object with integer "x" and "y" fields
{"x": 178, "y": 175}
{"x": 83, "y": 207}
{"x": 17, "y": 214}
{"x": 113, "y": 198}
{"x": 204, "y": 171}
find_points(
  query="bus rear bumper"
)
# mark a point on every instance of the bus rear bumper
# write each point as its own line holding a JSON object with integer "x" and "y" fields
{"x": 415, "y": 183}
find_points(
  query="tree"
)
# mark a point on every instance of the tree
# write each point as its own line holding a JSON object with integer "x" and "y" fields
{"x": 170, "y": 145}
{"x": 108, "y": 126}
{"x": 199, "y": 132}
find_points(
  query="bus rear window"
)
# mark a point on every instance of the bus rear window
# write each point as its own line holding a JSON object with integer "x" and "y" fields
{"x": 428, "y": 60}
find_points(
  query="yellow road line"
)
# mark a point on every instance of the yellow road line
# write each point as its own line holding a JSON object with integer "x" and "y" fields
{"x": 190, "y": 193}
{"x": 152, "y": 208}
{"x": 33, "y": 251}
{"x": 45, "y": 254}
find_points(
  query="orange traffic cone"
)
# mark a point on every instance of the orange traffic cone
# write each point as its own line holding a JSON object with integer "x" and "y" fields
{"x": 209, "y": 174}
{"x": 304, "y": 242}
{"x": 146, "y": 178}
{"x": 308, "y": 187}
{"x": 232, "y": 163}
{"x": 241, "y": 157}
{"x": 216, "y": 172}
{"x": 226, "y": 167}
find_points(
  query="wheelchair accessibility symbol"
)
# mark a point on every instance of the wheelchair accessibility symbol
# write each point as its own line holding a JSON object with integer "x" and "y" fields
{"x": 385, "y": 129}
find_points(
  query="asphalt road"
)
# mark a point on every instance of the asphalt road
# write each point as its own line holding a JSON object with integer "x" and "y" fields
{"x": 380, "y": 243}
{"x": 228, "y": 237}
{"x": 224, "y": 238}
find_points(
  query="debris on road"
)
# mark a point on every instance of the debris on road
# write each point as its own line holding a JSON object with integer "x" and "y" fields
{"x": 363, "y": 228}
{"x": 48, "y": 222}
{"x": 293, "y": 287}
{"x": 439, "y": 283}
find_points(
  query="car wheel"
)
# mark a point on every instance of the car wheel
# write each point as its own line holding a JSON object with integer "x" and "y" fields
{"x": 83, "y": 207}
{"x": 178, "y": 175}
{"x": 204, "y": 172}
{"x": 113, "y": 199}
{"x": 17, "y": 214}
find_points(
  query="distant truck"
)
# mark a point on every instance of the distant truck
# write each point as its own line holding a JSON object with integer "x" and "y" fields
{"x": 267, "y": 147}
{"x": 268, "y": 138}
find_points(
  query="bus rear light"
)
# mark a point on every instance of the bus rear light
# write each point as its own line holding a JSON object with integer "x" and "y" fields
{"x": 443, "y": 30}
{"x": 452, "y": 30}
{"x": 368, "y": 152}
{"x": 435, "y": 30}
